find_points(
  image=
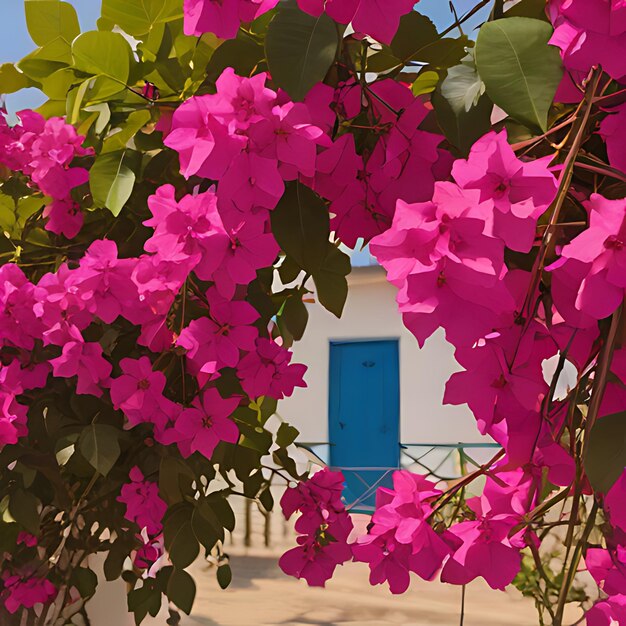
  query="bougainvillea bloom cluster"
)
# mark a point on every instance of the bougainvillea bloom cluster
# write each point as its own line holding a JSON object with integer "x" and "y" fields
{"x": 167, "y": 321}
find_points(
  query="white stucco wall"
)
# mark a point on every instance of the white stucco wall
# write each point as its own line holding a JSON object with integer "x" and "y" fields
{"x": 371, "y": 313}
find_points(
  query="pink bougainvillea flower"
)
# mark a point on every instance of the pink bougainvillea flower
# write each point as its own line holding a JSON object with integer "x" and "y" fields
{"x": 400, "y": 539}
{"x": 205, "y": 145}
{"x": 147, "y": 557}
{"x": 104, "y": 281}
{"x": 609, "y": 612}
{"x": 608, "y": 568}
{"x": 615, "y": 503}
{"x": 590, "y": 33}
{"x": 317, "y": 556}
{"x": 488, "y": 547}
{"x": 222, "y": 336}
{"x": 13, "y": 419}
{"x": 267, "y": 371}
{"x": 377, "y": 18}
{"x": 222, "y": 17}
{"x": 25, "y": 591}
{"x": 207, "y": 423}
{"x": 193, "y": 225}
{"x": 249, "y": 246}
{"x": 64, "y": 217}
{"x": 289, "y": 136}
{"x": 241, "y": 100}
{"x": 601, "y": 248}
{"x": 85, "y": 361}
{"x": 138, "y": 391}
{"x": 323, "y": 526}
{"x": 24, "y": 538}
{"x": 520, "y": 191}
{"x": 439, "y": 256}
{"x": 251, "y": 182}
{"x": 501, "y": 380}
{"x": 19, "y": 324}
{"x": 144, "y": 506}
{"x": 613, "y": 132}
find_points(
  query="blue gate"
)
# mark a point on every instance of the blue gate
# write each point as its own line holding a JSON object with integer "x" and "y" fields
{"x": 364, "y": 416}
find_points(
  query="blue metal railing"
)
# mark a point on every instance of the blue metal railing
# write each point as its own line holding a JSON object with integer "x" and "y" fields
{"x": 441, "y": 461}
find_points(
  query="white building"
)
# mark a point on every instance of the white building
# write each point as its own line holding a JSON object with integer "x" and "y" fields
{"x": 374, "y": 398}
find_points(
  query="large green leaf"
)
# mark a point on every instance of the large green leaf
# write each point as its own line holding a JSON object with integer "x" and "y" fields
{"x": 520, "y": 70}
{"x": 605, "y": 460}
{"x": 12, "y": 80}
{"x": 301, "y": 225}
{"x": 103, "y": 53}
{"x": 300, "y": 49}
{"x": 415, "y": 33}
{"x": 330, "y": 280}
{"x": 181, "y": 590}
{"x": 24, "y": 508}
{"x": 137, "y": 17}
{"x": 100, "y": 446}
{"x": 50, "y": 20}
{"x": 180, "y": 540}
{"x": 112, "y": 178}
{"x": 462, "y": 128}
{"x": 529, "y": 8}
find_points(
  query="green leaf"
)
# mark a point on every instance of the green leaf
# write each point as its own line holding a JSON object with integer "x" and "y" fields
{"x": 112, "y": 178}
{"x": 288, "y": 270}
{"x": 8, "y": 536}
{"x": 181, "y": 590}
{"x": 100, "y": 446}
{"x": 300, "y": 49}
{"x": 43, "y": 62}
{"x": 529, "y": 8}
{"x": 75, "y": 101}
{"x": 51, "y": 20}
{"x": 243, "y": 53}
{"x": 295, "y": 315}
{"x": 114, "y": 562}
{"x": 224, "y": 576}
{"x": 286, "y": 435}
{"x": 417, "y": 40}
{"x": 605, "y": 460}
{"x": 24, "y": 508}
{"x": 143, "y": 600}
{"x": 415, "y": 33}
{"x": 179, "y": 538}
{"x": 463, "y": 128}
{"x": 172, "y": 473}
{"x": 58, "y": 84}
{"x": 462, "y": 87}
{"x": 301, "y": 225}
{"x": 330, "y": 280}
{"x": 85, "y": 580}
{"x": 520, "y": 70}
{"x": 221, "y": 507}
{"x": 121, "y": 135}
{"x": 205, "y": 525}
{"x": 137, "y": 17}
{"x": 103, "y": 53}
{"x": 426, "y": 82}
{"x": 11, "y": 79}
{"x": 104, "y": 115}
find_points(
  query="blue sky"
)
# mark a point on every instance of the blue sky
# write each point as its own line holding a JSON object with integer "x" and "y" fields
{"x": 16, "y": 43}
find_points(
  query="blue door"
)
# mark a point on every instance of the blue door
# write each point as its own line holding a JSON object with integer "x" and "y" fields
{"x": 364, "y": 416}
